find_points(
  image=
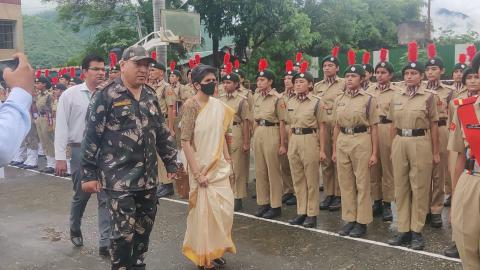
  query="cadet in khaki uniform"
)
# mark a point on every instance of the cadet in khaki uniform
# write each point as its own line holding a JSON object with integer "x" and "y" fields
{"x": 269, "y": 143}
{"x": 239, "y": 147}
{"x": 58, "y": 90}
{"x": 369, "y": 71}
{"x": 289, "y": 93}
{"x": 355, "y": 138}
{"x": 434, "y": 68}
{"x": 328, "y": 89}
{"x": 414, "y": 150}
{"x": 382, "y": 173}
{"x": 304, "y": 115}
{"x": 44, "y": 122}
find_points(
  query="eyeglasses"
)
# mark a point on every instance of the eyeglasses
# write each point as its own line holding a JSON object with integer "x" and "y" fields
{"x": 97, "y": 69}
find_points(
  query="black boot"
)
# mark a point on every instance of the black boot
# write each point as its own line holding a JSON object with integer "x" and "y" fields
{"x": 325, "y": 204}
{"x": 310, "y": 222}
{"x": 321, "y": 188}
{"x": 139, "y": 266}
{"x": 165, "y": 190}
{"x": 418, "y": 243}
{"x": 436, "y": 220}
{"x": 104, "y": 252}
{"x": 452, "y": 251}
{"x": 292, "y": 201}
{"x": 387, "y": 211}
{"x": 287, "y": 197}
{"x": 359, "y": 230}
{"x": 336, "y": 204}
{"x": 76, "y": 238}
{"x": 273, "y": 213}
{"x": 262, "y": 209}
{"x": 377, "y": 208}
{"x": 298, "y": 220}
{"x": 237, "y": 205}
{"x": 448, "y": 201}
{"x": 400, "y": 239}
{"x": 347, "y": 228}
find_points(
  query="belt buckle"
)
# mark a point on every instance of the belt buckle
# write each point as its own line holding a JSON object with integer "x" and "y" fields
{"x": 298, "y": 131}
{"x": 350, "y": 131}
{"x": 407, "y": 132}
{"x": 262, "y": 122}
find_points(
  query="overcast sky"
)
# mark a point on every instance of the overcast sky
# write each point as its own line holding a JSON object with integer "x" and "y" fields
{"x": 468, "y": 7}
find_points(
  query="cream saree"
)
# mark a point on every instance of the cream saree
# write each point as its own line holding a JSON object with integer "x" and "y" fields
{"x": 210, "y": 217}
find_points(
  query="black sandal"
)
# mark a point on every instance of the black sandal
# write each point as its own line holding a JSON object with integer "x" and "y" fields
{"x": 76, "y": 238}
{"x": 219, "y": 262}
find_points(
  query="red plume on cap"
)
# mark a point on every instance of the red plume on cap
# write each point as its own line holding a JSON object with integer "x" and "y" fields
{"x": 412, "y": 51}
{"x": 262, "y": 64}
{"x": 462, "y": 58}
{"x": 64, "y": 70}
{"x": 197, "y": 59}
{"x": 191, "y": 63}
{"x": 431, "y": 50}
{"x": 72, "y": 72}
{"x": 153, "y": 55}
{"x": 351, "y": 57}
{"x": 38, "y": 74}
{"x": 172, "y": 65}
{"x": 47, "y": 72}
{"x": 236, "y": 64}
{"x": 383, "y": 55}
{"x": 228, "y": 68}
{"x": 226, "y": 58}
{"x": 298, "y": 57}
{"x": 366, "y": 58}
{"x": 304, "y": 67}
{"x": 82, "y": 76}
{"x": 471, "y": 50}
{"x": 335, "y": 51}
{"x": 289, "y": 65}
{"x": 54, "y": 80}
{"x": 113, "y": 59}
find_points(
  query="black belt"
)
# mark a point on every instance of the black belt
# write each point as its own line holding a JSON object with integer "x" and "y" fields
{"x": 384, "y": 120}
{"x": 351, "y": 131}
{"x": 236, "y": 123}
{"x": 303, "y": 131}
{"x": 442, "y": 122}
{"x": 266, "y": 123}
{"x": 411, "y": 132}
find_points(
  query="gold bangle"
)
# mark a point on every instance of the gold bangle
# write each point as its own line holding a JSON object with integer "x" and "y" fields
{"x": 196, "y": 176}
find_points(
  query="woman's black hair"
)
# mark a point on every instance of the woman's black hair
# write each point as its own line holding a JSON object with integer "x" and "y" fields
{"x": 200, "y": 71}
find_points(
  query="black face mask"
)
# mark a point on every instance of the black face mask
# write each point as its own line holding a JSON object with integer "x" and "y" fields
{"x": 208, "y": 89}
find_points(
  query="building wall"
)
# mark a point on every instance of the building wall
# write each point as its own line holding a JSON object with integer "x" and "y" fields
{"x": 11, "y": 10}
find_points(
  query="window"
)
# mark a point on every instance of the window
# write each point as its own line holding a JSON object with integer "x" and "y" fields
{"x": 7, "y": 34}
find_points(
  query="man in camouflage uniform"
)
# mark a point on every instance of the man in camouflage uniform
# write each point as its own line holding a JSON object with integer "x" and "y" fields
{"x": 124, "y": 132}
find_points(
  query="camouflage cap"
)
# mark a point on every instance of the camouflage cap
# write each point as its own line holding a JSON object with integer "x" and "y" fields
{"x": 136, "y": 53}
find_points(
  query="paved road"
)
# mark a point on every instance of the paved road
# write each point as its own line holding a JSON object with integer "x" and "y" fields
{"x": 34, "y": 235}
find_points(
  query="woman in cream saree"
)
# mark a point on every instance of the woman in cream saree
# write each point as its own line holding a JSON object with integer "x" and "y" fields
{"x": 205, "y": 122}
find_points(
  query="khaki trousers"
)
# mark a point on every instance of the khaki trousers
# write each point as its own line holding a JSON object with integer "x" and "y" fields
{"x": 452, "y": 160}
{"x": 412, "y": 160}
{"x": 382, "y": 172}
{"x": 286, "y": 172}
{"x": 330, "y": 179}
{"x": 304, "y": 158}
{"x": 353, "y": 154}
{"x": 46, "y": 136}
{"x": 240, "y": 161}
{"x": 466, "y": 220}
{"x": 268, "y": 171}
{"x": 440, "y": 174}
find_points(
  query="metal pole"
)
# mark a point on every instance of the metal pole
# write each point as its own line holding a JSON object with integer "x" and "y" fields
{"x": 429, "y": 21}
{"x": 158, "y": 6}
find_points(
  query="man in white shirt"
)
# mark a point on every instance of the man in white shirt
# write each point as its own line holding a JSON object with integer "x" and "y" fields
{"x": 69, "y": 128}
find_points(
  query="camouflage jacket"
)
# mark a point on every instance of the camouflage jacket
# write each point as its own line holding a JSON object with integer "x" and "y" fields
{"x": 122, "y": 138}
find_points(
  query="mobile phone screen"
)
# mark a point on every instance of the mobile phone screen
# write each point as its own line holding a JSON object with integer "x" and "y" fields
{"x": 11, "y": 63}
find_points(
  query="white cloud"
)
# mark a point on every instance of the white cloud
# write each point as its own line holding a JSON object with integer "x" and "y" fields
{"x": 459, "y": 25}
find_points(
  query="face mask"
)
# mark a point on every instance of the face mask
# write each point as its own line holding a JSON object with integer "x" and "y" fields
{"x": 208, "y": 89}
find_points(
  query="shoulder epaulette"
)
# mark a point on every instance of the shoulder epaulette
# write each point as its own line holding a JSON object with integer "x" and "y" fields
{"x": 431, "y": 91}
{"x": 223, "y": 95}
{"x": 278, "y": 95}
{"x": 368, "y": 93}
{"x": 104, "y": 85}
{"x": 465, "y": 101}
{"x": 317, "y": 97}
{"x": 242, "y": 96}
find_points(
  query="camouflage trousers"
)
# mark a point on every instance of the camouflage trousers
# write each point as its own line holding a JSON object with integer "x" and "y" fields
{"x": 132, "y": 215}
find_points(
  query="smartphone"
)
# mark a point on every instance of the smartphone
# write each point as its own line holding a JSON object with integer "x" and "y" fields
{"x": 10, "y": 63}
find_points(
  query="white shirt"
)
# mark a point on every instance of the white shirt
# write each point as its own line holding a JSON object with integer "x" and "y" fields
{"x": 70, "y": 123}
{"x": 15, "y": 123}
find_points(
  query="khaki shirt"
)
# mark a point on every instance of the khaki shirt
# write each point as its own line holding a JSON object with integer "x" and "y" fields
{"x": 445, "y": 94}
{"x": 221, "y": 89}
{"x": 417, "y": 112}
{"x": 246, "y": 92}
{"x": 383, "y": 97}
{"x": 360, "y": 110}
{"x": 270, "y": 107}
{"x": 239, "y": 103}
{"x": 463, "y": 93}
{"x": 161, "y": 92}
{"x": 329, "y": 93}
{"x": 44, "y": 102}
{"x": 304, "y": 114}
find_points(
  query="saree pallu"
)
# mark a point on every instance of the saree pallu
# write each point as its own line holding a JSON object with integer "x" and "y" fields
{"x": 210, "y": 217}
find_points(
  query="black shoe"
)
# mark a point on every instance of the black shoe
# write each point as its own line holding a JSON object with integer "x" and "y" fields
{"x": 273, "y": 213}
{"x": 139, "y": 266}
{"x": 418, "y": 243}
{"x": 400, "y": 239}
{"x": 29, "y": 167}
{"x": 336, "y": 204}
{"x": 298, "y": 220}
{"x": 452, "y": 251}
{"x": 15, "y": 163}
{"x": 48, "y": 170}
{"x": 291, "y": 201}
{"x": 165, "y": 190}
{"x": 346, "y": 228}
{"x": 287, "y": 197}
{"x": 436, "y": 220}
{"x": 359, "y": 230}
{"x": 237, "y": 205}
{"x": 104, "y": 252}
{"x": 310, "y": 222}
{"x": 325, "y": 204}
{"x": 76, "y": 238}
{"x": 321, "y": 188}
{"x": 428, "y": 218}
{"x": 220, "y": 262}
{"x": 262, "y": 209}
{"x": 20, "y": 166}
{"x": 448, "y": 203}
{"x": 387, "y": 211}
{"x": 377, "y": 208}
